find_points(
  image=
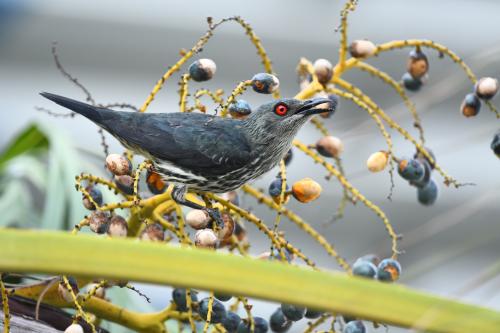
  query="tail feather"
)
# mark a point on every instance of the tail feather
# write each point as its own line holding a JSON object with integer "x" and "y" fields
{"x": 91, "y": 112}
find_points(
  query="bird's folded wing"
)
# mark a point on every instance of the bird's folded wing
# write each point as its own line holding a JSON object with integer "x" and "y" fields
{"x": 196, "y": 142}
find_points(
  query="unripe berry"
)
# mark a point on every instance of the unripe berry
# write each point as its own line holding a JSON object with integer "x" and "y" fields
{"x": 99, "y": 293}
{"x": 334, "y": 103}
{"x": 330, "y": 146}
{"x": 293, "y": 312}
{"x": 388, "y": 270}
{"x": 99, "y": 221}
{"x": 278, "y": 322}
{"x": 205, "y": 238}
{"x": 362, "y": 48}
{"x": 323, "y": 70}
{"x": 495, "y": 144}
{"x": 95, "y": 194}
{"x": 125, "y": 184}
{"x": 197, "y": 219}
{"x": 417, "y": 65}
{"x": 355, "y": 326}
{"x": 118, "y": 165}
{"x": 227, "y": 230}
{"x": 74, "y": 328}
{"x": 471, "y": 105}
{"x": 411, "y": 83}
{"x": 240, "y": 109}
{"x": 428, "y": 194}
{"x": 64, "y": 293}
{"x": 155, "y": 184}
{"x": 260, "y": 326}
{"x": 153, "y": 232}
{"x": 202, "y": 70}
{"x": 231, "y": 196}
{"x": 265, "y": 83}
{"x": 117, "y": 226}
{"x": 364, "y": 268}
{"x": 411, "y": 169}
{"x": 377, "y": 161}
{"x": 231, "y": 322}
{"x": 218, "y": 310}
{"x": 179, "y": 298}
{"x": 486, "y": 88}
{"x": 306, "y": 190}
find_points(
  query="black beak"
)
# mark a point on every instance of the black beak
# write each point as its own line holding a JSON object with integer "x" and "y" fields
{"x": 309, "y": 107}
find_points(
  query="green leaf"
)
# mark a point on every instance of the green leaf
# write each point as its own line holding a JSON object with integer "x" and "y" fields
{"x": 29, "y": 139}
{"x": 127, "y": 259}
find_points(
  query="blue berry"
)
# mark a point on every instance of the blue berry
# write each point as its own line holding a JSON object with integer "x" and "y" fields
{"x": 240, "y": 109}
{"x": 421, "y": 156}
{"x": 428, "y": 194}
{"x": 495, "y": 144}
{"x": 313, "y": 314}
{"x": 222, "y": 297}
{"x": 179, "y": 298}
{"x": 364, "y": 268}
{"x": 356, "y": 326}
{"x": 265, "y": 83}
{"x": 411, "y": 83}
{"x": 95, "y": 194}
{"x": 278, "y": 322}
{"x": 202, "y": 70}
{"x": 293, "y": 312}
{"x": 422, "y": 182}
{"x": 231, "y": 322}
{"x": 218, "y": 310}
{"x": 275, "y": 188}
{"x": 411, "y": 170}
{"x": 471, "y": 105}
{"x": 388, "y": 270}
{"x": 260, "y": 326}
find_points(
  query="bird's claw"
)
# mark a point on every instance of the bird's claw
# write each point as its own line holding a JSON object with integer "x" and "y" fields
{"x": 216, "y": 216}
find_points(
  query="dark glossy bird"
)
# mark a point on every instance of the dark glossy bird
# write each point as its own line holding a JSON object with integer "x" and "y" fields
{"x": 205, "y": 152}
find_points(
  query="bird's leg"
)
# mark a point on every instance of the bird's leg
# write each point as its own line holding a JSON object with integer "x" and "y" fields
{"x": 179, "y": 196}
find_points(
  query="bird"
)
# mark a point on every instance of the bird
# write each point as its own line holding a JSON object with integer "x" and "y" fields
{"x": 203, "y": 152}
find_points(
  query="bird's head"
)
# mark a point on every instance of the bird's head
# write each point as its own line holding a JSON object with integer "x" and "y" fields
{"x": 283, "y": 118}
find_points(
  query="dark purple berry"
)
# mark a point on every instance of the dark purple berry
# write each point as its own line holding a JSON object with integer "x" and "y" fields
{"x": 471, "y": 105}
{"x": 364, "y": 268}
{"x": 278, "y": 322}
{"x": 275, "y": 188}
{"x": 218, "y": 310}
{"x": 260, "y": 326}
{"x": 313, "y": 314}
{"x": 240, "y": 109}
{"x": 411, "y": 170}
{"x": 231, "y": 322}
{"x": 293, "y": 312}
{"x": 179, "y": 298}
{"x": 495, "y": 144}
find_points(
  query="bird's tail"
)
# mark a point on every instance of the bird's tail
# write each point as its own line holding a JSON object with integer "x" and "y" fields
{"x": 89, "y": 111}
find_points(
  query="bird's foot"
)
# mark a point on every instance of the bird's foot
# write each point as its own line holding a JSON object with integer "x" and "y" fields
{"x": 216, "y": 216}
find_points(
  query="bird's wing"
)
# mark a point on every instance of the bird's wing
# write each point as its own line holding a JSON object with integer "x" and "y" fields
{"x": 192, "y": 141}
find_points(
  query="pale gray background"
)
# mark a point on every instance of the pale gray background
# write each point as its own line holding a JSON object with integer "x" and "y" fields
{"x": 118, "y": 49}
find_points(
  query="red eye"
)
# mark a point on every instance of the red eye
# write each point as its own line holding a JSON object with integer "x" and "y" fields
{"x": 281, "y": 109}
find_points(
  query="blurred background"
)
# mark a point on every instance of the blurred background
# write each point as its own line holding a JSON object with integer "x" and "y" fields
{"x": 119, "y": 49}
